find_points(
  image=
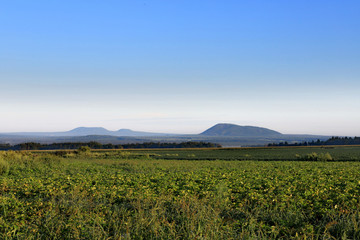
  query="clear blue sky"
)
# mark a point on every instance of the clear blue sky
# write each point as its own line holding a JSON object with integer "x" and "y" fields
{"x": 180, "y": 66}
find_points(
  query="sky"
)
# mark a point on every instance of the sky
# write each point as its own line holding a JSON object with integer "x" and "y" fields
{"x": 180, "y": 66}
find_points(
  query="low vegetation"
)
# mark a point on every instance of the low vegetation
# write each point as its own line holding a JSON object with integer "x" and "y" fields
{"x": 96, "y": 145}
{"x": 150, "y": 194}
{"x": 316, "y": 157}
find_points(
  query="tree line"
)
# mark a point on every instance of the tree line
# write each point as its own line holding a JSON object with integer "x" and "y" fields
{"x": 96, "y": 145}
{"x": 330, "y": 141}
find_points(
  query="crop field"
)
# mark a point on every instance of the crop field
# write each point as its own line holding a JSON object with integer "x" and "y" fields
{"x": 252, "y": 193}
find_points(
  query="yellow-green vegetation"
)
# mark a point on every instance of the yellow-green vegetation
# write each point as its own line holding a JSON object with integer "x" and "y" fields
{"x": 149, "y": 194}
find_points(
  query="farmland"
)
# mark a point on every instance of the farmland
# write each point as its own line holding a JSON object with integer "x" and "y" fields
{"x": 251, "y": 193}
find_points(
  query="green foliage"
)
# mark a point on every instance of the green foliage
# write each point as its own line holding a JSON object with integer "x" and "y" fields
{"x": 138, "y": 195}
{"x": 316, "y": 157}
{"x": 348, "y": 153}
{"x": 84, "y": 150}
{"x": 4, "y": 167}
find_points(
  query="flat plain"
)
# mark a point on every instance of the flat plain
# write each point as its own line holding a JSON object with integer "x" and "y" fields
{"x": 240, "y": 193}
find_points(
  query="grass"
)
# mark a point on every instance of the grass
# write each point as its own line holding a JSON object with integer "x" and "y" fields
{"x": 149, "y": 194}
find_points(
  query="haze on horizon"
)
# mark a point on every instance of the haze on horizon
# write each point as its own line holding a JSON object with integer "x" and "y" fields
{"x": 180, "y": 66}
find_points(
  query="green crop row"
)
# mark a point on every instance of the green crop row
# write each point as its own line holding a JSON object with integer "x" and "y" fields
{"x": 144, "y": 195}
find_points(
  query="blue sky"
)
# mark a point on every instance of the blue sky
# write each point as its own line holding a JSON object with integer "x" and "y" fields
{"x": 180, "y": 66}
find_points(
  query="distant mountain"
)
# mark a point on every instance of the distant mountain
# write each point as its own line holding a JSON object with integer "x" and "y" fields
{"x": 228, "y": 135}
{"x": 84, "y": 131}
{"x": 131, "y": 133}
{"x": 88, "y": 131}
{"x": 232, "y": 130}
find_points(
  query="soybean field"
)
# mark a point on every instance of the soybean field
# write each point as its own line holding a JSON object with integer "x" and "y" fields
{"x": 250, "y": 193}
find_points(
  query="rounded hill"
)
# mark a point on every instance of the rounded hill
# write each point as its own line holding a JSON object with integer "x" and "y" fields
{"x": 233, "y": 130}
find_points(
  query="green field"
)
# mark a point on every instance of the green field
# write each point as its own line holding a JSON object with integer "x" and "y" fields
{"x": 339, "y": 153}
{"x": 252, "y": 193}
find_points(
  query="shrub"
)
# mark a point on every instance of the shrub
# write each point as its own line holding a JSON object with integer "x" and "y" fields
{"x": 61, "y": 153}
{"x": 316, "y": 157}
{"x": 83, "y": 150}
{"x": 325, "y": 157}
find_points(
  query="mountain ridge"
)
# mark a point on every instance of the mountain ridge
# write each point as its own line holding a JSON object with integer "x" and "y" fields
{"x": 220, "y": 129}
{"x": 87, "y": 131}
{"x": 218, "y": 133}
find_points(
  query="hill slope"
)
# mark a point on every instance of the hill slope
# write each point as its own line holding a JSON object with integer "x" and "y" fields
{"x": 231, "y": 130}
{"x": 84, "y": 131}
{"x": 87, "y": 131}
